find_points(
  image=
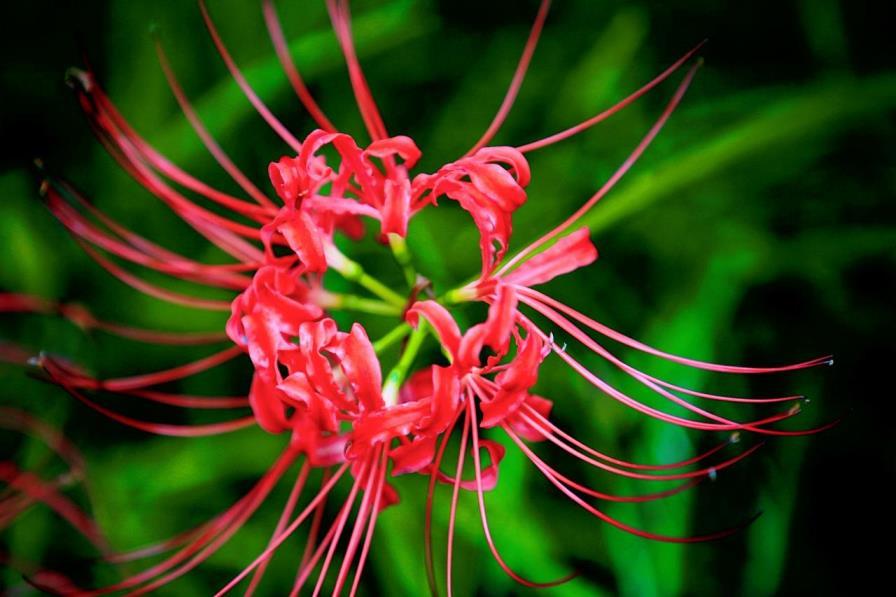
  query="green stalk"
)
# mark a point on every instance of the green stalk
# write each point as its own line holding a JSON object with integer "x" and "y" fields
{"x": 400, "y": 249}
{"x": 397, "y": 333}
{"x": 351, "y": 302}
{"x": 353, "y": 272}
{"x": 400, "y": 372}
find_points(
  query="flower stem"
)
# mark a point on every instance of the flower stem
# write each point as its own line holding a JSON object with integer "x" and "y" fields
{"x": 400, "y": 249}
{"x": 352, "y": 271}
{"x": 351, "y": 302}
{"x": 400, "y": 372}
{"x": 397, "y": 333}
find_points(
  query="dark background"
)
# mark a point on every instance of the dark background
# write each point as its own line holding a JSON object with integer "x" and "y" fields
{"x": 759, "y": 228}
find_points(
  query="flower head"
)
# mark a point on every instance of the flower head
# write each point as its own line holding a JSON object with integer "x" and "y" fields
{"x": 343, "y": 407}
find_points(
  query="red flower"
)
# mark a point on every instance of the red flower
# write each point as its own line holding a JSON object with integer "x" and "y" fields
{"x": 324, "y": 388}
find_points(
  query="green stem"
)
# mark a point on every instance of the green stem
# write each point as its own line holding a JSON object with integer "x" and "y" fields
{"x": 397, "y": 333}
{"x": 351, "y": 302}
{"x": 352, "y": 271}
{"x": 400, "y": 372}
{"x": 403, "y": 257}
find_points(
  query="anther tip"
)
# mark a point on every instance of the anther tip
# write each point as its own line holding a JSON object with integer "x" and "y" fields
{"x": 78, "y": 78}
{"x": 713, "y": 474}
{"x": 734, "y": 438}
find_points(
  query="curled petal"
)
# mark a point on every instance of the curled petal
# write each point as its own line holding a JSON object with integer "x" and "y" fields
{"x": 514, "y": 383}
{"x": 362, "y": 368}
{"x": 568, "y": 254}
{"x": 441, "y": 320}
{"x": 489, "y": 474}
{"x": 521, "y": 426}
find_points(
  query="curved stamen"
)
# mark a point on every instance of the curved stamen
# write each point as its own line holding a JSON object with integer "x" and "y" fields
{"x": 574, "y": 130}
{"x": 285, "y": 515}
{"x": 517, "y": 81}
{"x": 632, "y": 343}
{"x": 557, "y": 431}
{"x": 461, "y": 456}
{"x": 250, "y": 94}
{"x": 611, "y": 182}
{"x": 38, "y": 490}
{"x": 151, "y": 289}
{"x": 484, "y": 518}
{"x": 213, "y": 147}
{"x": 292, "y": 73}
{"x": 586, "y": 340}
{"x": 370, "y": 114}
{"x": 621, "y": 525}
{"x": 325, "y": 489}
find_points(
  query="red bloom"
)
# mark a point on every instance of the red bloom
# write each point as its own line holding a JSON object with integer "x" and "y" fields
{"x": 324, "y": 388}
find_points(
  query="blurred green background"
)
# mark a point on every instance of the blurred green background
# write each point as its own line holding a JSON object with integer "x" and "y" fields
{"x": 759, "y": 228}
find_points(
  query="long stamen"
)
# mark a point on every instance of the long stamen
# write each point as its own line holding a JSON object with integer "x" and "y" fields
{"x": 484, "y": 518}
{"x": 611, "y": 182}
{"x": 371, "y": 526}
{"x": 427, "y": 526}
{"x": 632, "y": 343}
{"x": 292, "y": 73}
{"x": 621, "y": 525}
{"x": 364, "y": 478}
{"x": 370, "y": 114}
{"x": 250, "y": 94}
{"x": 540, "y": 463}
{"x": 325, "y": 489}
{"x": 663, "y": 416}
{"x": 311, "y": 540}
{"x": 285, "y": 515}
{"x": 208, "y": 537}
{"x": 173, "y": 265}
{"x": 60, "y": 376}
{"x": 557, "y": 431}
{"x": 600, "y": 350}
{"x": 636, "y": 475}
{"x": 461, "y": 455}
{"x": 151, "y": 289}
{"x": 574, "y": 130}
{"x": 372, "y": 494}
{"x": 213, "y": 147}
{"x": 517, "y": 80}
{"x": 39, "y": 490}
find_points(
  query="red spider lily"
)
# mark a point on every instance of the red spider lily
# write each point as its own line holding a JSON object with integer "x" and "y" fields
{"x": 324, "y": 388}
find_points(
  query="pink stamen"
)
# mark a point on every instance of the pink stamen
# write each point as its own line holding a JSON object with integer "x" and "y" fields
{"x": 484, "y": 517}
{"x": 616, "y": 523}
{"x": 620, "y": 172}
{"x": 517, "y": 80}
{"x": 285, "y": 515}
{"x": 461, "y": 456}
{"x": 213, "y": 147}
{"x": 289, "y": 67}
{"x": 574, "y": 130}
{"x": 250, "y": 94}
{"x": 325, "y": 489}
{"x": 151, "y": 289}
{"x": 370, "y": 114}
{"x": 632, "y": 343}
